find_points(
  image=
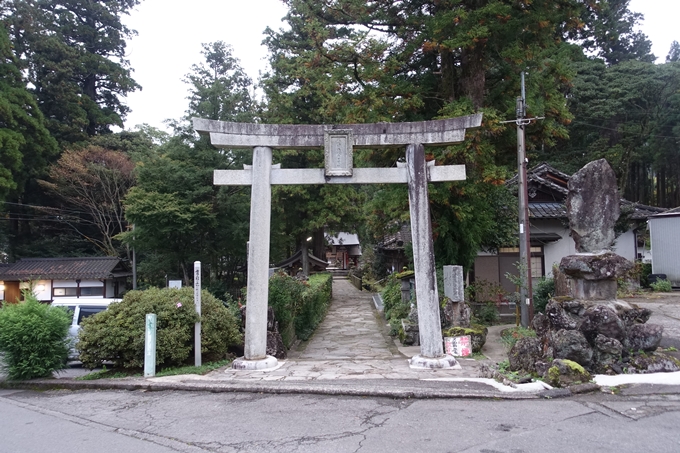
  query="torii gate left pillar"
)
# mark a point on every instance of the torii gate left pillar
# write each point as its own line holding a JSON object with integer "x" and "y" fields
{"x": 338, "y": 142}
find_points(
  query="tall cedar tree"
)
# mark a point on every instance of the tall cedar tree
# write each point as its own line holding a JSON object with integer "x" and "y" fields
{"x": 179, "y": 215}
{"x": 74, "y": 54}
{"x": 352, "y": 61}
{"x": 25, "y": 144}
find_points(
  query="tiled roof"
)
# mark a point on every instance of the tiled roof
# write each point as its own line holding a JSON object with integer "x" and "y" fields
{"x": 60, "y": 268}
{"x": 547, "y": 210}
{"x": 396, "y": 240}
{"x": 642, "y": 212}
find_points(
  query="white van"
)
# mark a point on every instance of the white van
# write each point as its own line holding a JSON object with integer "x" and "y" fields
{"x": 81, "y": 309}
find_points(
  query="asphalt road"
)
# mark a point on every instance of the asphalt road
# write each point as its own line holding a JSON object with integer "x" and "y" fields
{"x": 124, "y": 421}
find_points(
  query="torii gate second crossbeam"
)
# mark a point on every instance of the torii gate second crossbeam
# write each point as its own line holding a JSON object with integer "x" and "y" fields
{"x": 338, "y": 142}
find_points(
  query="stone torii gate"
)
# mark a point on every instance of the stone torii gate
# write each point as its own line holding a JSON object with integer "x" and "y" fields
{"x": 338, "y": 142}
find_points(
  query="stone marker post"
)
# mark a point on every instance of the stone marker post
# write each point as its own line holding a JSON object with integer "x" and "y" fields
{"x": 454, "y": 283}
{"x": 150, "y": 346}
{"x": 197, "y": 304}
{"x": 338, "y": 142}
{"x": 454, "y": 291}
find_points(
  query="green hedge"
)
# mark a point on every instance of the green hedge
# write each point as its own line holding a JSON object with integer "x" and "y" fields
{"x": 315, "y": 301}
{"x": 34, "y": 338}
{"x": 117, "y": 334}
{"x": 299, "y": 306}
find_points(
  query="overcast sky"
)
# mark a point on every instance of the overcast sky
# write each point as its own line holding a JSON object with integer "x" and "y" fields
{"x": 170, "y": 35}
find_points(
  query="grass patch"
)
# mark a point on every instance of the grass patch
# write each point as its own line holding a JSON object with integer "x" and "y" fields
{"x": 514, "y": 376}
{"x": 510, "y": 336}
{"x": 118, "y": 373}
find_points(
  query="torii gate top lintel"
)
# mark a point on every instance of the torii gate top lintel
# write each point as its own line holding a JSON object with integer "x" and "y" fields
{"x": 225, "y": 134}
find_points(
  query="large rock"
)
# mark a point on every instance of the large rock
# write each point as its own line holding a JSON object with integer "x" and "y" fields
{"x": 653, "y": 363}
{"x": 601, "y": 319}
{"x": 540, "y": 324}
{"x": 524, "y": 354}
{"x": 477, "y": 335}
{"x": 558, "y": 317}
{"x": 563, "y": 373}
{"x": 275, "y": 346}
{"x": 593, "y": 206}
{"x": 572, "y": 345}
{"x": 606, "y": 354}
{"x": 595, "y": 266}
{"x": 644, "y": 337}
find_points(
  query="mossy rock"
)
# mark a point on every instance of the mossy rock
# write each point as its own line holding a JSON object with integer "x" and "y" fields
{"x": 655, "y": 362}
{"x": 406, "y": 274}
{"x": 477, "y": 335}
{"x": 563, "y": 373}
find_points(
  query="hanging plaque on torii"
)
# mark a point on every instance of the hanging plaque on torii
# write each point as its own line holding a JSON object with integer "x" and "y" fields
{"x": 338, "y": 142}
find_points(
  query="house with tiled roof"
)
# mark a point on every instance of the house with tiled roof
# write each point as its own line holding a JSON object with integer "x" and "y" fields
{"x": 550, "y": 238}
{"x": 53, "y": 278}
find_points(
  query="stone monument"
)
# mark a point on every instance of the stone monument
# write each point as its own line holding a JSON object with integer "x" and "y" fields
{"x": 338, "y": 142}
{"x": 590, "y": 327}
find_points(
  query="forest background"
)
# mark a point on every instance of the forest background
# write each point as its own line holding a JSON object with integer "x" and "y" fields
{"x": 71, "y": 186}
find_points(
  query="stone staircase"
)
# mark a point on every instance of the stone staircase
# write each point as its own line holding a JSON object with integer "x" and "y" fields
{"x": 338, "y": 273}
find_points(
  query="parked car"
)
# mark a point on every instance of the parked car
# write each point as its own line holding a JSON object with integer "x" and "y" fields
{"x": 81, "y": 309}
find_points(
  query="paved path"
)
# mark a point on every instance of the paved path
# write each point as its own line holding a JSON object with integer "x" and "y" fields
{"x": 351, "y": 343}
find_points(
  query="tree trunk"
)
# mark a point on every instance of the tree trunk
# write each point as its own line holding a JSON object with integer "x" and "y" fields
{"x": 473, "y": 77}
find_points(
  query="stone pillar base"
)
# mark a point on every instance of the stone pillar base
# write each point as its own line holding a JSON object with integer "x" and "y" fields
{"x": 432, "y": 363}
{"x": 242, "y": 363}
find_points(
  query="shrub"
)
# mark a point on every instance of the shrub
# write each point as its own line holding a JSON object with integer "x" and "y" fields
{"x": 543, "y": 291}
{"x": 299, "y": 306}
{"x": 285, "y": 297}
{"x": 34, "y": 338}
{"x": 645, "y": 270}
{"x": 662, "y": 286}
{"x": 117, "y": 334}
{"x": 394, "y": 307}
{"x": 315, "y": 301}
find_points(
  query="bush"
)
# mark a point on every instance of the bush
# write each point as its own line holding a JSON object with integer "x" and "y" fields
{"x": 315, "y": 301}
{"x": 543, "y": 291}
{"x": 285, "y": 297}
{"x": 117, "y": 334}
{"x": 662, "y": 286}
{"x": 645, "y": 270}
{"x": 299, "y": 306}
{"x": 394, "y": 307}
{"x": 34, "y": 338}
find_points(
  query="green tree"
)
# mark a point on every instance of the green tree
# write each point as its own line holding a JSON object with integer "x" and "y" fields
{"x": 627, "y": 113}
{"x": 180, "y": 216}
{"x": 25, "y": 144}
{"x": 613, "y": 35}
{"x": 74, "y": 55}
{"x": 219, "y": 89}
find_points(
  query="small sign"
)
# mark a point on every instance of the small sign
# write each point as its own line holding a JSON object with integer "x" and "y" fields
{"x": 177, "y": 284}
{"x": 338, "y": 152}
{"x": 458, "y": 346}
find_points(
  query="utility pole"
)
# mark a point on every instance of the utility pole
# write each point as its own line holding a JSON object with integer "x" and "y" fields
{"x": 527, "y": 307}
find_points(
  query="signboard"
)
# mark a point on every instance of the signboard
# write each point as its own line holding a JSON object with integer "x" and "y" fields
{"x": 458, "y": 346}
{"x": 338, "y": 152}
{"x": 177, "y": 284}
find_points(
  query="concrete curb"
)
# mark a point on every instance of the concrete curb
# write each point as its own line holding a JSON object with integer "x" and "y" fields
{"x": 399, "y": 390}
